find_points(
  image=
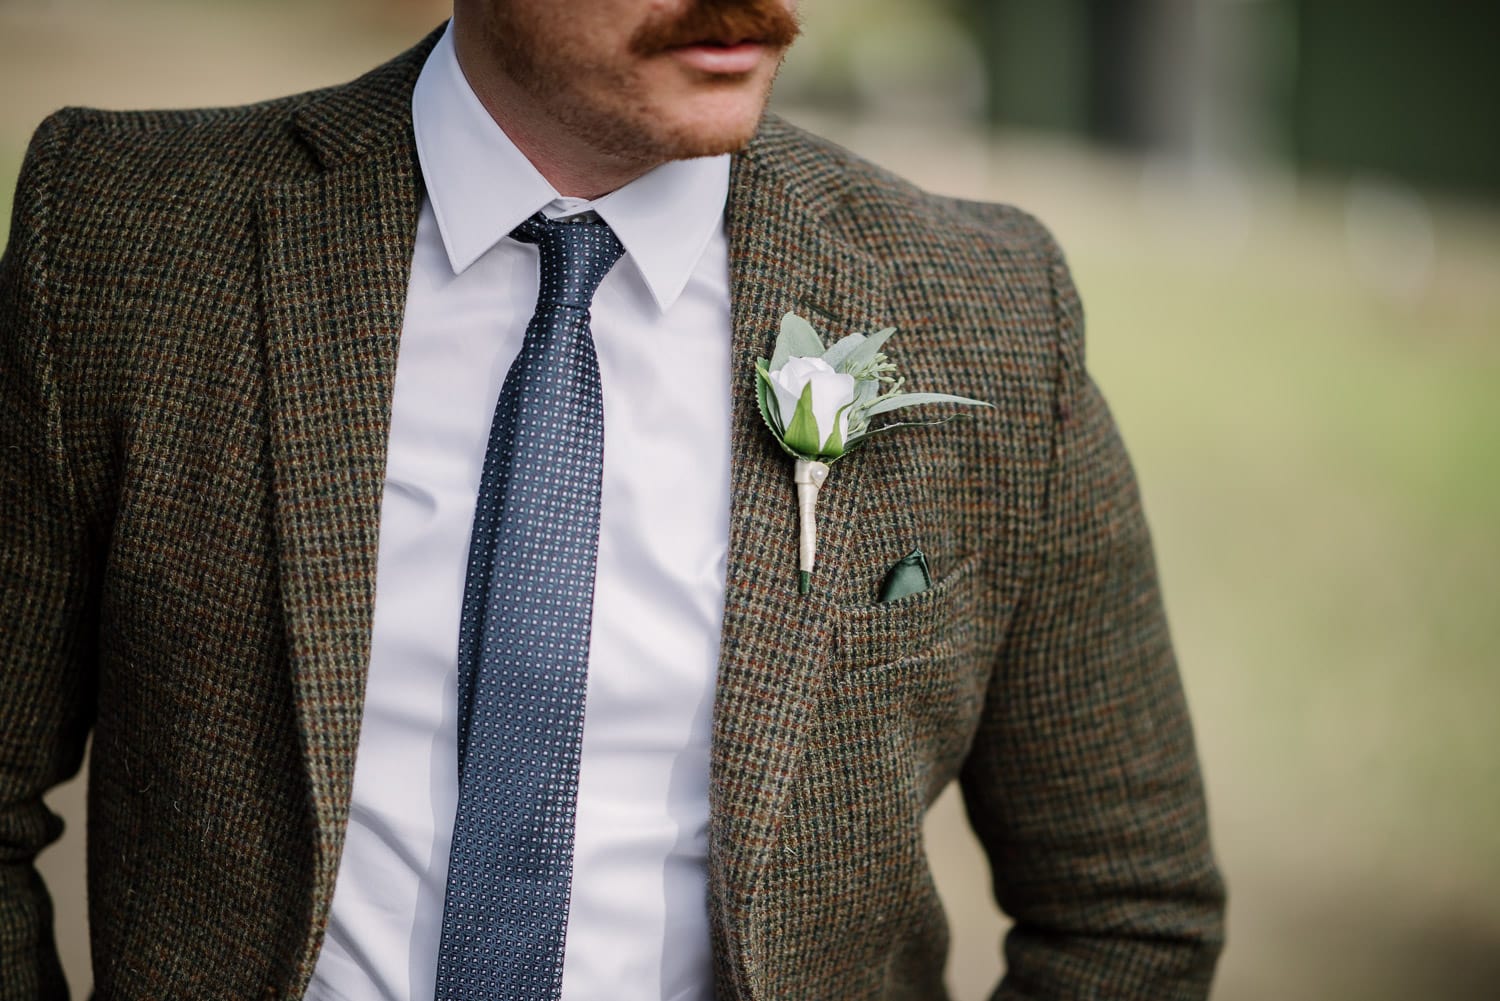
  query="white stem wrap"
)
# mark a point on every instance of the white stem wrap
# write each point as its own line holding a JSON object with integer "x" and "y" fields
{"x": 809, "y": 476}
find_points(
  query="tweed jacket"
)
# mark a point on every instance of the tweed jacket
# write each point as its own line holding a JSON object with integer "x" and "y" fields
{"x": 199, "y": 320}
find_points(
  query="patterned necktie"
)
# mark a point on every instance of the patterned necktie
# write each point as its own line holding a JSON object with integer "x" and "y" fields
{"x": 524, "y": 639}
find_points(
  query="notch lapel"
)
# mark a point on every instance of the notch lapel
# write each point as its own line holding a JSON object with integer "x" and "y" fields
{"x": 775, "y": 643}
{"x": 335, "y": 266}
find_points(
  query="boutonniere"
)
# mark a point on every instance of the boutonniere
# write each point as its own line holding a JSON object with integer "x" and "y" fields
{"x": 818, "y": 403}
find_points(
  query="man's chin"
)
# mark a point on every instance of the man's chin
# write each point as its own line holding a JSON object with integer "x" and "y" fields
{"x": 692, "y": 144}
{"x": 715, "y": 126}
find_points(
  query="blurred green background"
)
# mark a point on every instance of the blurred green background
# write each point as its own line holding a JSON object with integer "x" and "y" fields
{"x": 1284, "y": 218}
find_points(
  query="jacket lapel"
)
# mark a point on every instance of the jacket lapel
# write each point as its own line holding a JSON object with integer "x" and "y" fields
{"x": 336, "y": 257}
{"x": 775, "y": 643}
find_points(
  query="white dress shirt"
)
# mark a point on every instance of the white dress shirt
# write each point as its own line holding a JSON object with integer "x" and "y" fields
{"x": 638, "y": 916}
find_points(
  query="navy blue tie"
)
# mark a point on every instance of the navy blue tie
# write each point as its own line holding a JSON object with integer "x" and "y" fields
{"x": 523, "y": 640}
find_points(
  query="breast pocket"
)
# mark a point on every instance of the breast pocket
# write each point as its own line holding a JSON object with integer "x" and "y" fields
{"x": 877, "y": 636}
{"x": 909, "y": 678}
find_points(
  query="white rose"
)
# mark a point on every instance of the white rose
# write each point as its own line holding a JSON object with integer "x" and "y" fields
{"x": 825, "y": 418}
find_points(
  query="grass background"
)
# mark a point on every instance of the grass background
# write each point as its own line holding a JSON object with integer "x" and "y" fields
{"x": 1320, "y": 454}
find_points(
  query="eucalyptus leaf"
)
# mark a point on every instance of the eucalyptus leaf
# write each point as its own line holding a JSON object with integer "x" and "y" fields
{"x": 865, "y": 392}
{"x": 797, "y": 339}
{"x": 865, "y": 351}
{"x": 836, "y": 355}
{"x": 895, "y": 401}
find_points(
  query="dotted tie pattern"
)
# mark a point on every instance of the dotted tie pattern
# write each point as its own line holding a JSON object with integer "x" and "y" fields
{"x": 523, "y": 640}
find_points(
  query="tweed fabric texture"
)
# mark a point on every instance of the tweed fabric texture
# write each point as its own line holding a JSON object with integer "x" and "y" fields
{"x": 523, "y": 641}
{"x": 199, "y": 317}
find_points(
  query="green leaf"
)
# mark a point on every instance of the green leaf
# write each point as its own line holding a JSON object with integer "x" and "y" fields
{"x": 836, "y": 355}
{"x": 802, "y": 433}
{"x": 797, "y": 339}
{"x": 865, "y": 352}
{"x": 895, "y": 401}
{"x": 765, "y": 398}
{"x": 834, "y": 446}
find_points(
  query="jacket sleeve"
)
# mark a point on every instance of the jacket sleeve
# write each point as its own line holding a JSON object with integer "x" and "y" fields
{"x": 1083, "y": 783}
{"x": 47, "y": 583}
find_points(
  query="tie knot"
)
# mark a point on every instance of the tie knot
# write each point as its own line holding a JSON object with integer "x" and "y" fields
{"x": 575, "y": 257}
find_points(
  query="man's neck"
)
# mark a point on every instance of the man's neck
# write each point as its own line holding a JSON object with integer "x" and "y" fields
{"x": 572, "y": 166}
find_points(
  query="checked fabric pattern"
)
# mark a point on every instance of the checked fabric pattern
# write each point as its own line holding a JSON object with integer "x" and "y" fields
{"x": 524, "y": 640}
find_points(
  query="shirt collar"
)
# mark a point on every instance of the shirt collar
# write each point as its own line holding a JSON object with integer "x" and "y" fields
{"x": 482, "y": 187}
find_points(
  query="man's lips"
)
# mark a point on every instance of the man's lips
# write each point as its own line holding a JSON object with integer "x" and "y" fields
{"x": 719, "y": 58}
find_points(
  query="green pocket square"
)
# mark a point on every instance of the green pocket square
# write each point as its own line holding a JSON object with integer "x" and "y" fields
{"x": 908, "y": 576}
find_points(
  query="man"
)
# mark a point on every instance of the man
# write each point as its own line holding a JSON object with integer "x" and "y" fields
{"x": 260, "y": 498}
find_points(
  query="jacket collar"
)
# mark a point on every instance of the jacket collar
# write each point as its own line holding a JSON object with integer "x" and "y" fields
{"x": 348, "y": 124}
{"x": 481, "y": 186}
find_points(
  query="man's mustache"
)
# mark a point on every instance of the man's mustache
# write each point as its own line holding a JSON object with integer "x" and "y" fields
{"x": 724, "y": 21}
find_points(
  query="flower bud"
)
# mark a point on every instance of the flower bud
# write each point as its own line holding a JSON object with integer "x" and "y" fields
{"x": 813, "y": 402}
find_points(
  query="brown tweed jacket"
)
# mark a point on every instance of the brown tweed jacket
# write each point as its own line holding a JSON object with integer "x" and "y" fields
{"x": 199, "y": 317}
